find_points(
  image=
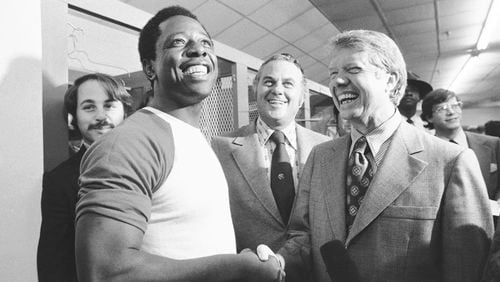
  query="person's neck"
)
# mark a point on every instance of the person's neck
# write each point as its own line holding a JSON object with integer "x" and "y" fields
{"x": 408, "y": 112}
{"x": 275, "y": 125}
{"x": 373, "y": 122}
{"x": 447, "y": 133}
{"x": 188, "y": 114}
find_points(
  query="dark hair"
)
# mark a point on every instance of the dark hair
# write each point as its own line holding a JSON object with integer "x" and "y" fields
{"x": 435, "y": 97}
{"x": 114, "y": 90}
{"x": 151, "y": 31}
{"x": 281, "y": 57}
{"x": 492, "y": 128}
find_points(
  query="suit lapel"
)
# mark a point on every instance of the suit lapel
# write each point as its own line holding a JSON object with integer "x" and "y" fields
{"x": 399, "y": 168}
{"x": 482, "y": 153}
{"x": 76, "y": 159}
{"x": 333, "y": 168}
{"x": 305, "y": 143}
{"x": 250, "y": 161}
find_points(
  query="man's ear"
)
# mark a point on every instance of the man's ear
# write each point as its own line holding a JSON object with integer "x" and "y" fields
{"x": 148, "y": 69}
{"x": 427, "y": 118}
{"x": 71, "y": 122}
{"x": 303, "y": 96}
{"x": 392, "y": 82}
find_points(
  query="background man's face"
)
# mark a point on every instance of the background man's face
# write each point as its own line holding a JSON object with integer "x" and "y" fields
{"x": 280, "y": 93}
{"x": 448, "y": 119}
{"x": 96, "y": 112}
{"x": 411, "y": 97}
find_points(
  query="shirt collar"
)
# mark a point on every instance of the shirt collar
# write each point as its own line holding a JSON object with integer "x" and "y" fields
{"x": 415, "y": 118}
{"x": 460, "y": 138}
{"x": 379, "y": 135}
{"x": 84, "y": 145}
{"x": 264, "y": 132}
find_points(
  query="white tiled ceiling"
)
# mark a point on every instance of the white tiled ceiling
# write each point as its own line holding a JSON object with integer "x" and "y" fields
{"x": 213, "y": 10}
{"x": 434, "y": 47}
{"x": 265, "y": 46}
{"x": 302, "y": 25}
{"x": 278, "y": 12}
{"x": 245, "y": 7}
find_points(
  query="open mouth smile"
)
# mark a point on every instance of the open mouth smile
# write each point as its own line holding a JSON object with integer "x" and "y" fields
{"x": 196, "y": 70}
{"x": 346, "y": 98}
{"x": 277, "y": 102}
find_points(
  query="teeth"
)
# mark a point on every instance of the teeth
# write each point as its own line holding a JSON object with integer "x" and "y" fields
{"x": 346, "y": 98}
{"x": 197, "y": 69}
{"x": 273, "y": 101}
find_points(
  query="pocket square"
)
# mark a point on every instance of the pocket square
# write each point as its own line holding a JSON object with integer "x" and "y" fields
{"x": 493, "y": 168}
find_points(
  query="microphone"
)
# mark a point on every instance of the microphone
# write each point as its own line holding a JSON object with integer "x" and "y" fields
{"x": 339, "y": 265}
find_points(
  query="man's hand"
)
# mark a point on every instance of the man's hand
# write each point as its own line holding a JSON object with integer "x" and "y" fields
{"x": 264, "y": 252}
{"x": 262, "y": 270}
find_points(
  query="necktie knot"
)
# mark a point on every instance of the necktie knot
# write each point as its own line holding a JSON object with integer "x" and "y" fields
{"x": 453, "y": 141}
{"x": 360, "y": 145}
{"x": 278, "y": 137}
{"x": 409, "y": 120}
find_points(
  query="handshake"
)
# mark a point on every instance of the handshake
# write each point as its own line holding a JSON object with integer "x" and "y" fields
{"x": 264, "y": 265}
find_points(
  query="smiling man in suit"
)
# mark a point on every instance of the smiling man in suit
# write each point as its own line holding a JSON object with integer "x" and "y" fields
{"x": 260, "y": 205}
{"x": 442, "y": 109}
{"x": 406, "y": 205}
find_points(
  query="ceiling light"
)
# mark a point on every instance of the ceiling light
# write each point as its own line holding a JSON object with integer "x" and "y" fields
{"x": 470, "y": 63}
{"x": 466, "y": 71}
{"x": 487, "y": 30}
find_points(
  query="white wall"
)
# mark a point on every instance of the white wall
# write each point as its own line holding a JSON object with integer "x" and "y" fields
{"x": 21, "y": 144}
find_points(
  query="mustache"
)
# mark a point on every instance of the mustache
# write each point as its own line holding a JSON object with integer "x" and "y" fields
{"x": 101, "y": 125}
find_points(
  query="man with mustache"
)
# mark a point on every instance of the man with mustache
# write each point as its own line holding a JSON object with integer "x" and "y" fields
{"x": 259, "y": 210}
{"x": 95, "y": 103}
{"x": 394, "y": 202}
{"x": 154, "y": 202}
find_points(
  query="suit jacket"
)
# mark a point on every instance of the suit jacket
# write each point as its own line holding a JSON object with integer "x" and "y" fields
{"x": 56, "y": 247}
{"x": 487, "y": 150}
{"x": 255, "y": 214}
{"x": 425, "y": 216}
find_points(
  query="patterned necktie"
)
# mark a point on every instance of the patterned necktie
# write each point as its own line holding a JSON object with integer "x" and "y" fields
{"x": 359, "y": 175}
{"x": 281, "y": 176}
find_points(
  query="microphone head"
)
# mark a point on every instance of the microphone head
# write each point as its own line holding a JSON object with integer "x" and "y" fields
{"x": 333, "y": 246}
{"x": 334, "y": 251}
{"x": 338, "y": 264}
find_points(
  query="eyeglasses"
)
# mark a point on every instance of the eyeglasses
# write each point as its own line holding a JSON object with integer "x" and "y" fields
{"x": 446, "y": 107}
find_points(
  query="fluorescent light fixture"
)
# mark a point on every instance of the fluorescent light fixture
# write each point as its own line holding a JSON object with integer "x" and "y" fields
{"x": 464, "y": 73}
{"x": 489, "y": 24}
{"x": 487, "y": 30}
